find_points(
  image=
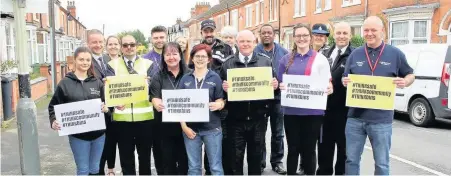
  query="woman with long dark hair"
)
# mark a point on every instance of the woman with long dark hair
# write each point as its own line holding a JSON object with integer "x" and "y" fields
{"x": 208, "y": 133}
{"x": 175, "y": 161}
{"x": 78, "y": 86}
{"x": 302, "y": 126}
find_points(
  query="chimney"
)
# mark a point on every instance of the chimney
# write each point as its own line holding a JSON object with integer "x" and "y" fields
{"x": 193, "y": 12}
{"x": 201, "y": 7}
{"x": 71, "y": 8}
{"x": 179, "y": 20}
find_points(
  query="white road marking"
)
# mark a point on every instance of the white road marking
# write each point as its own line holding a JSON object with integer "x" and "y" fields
{"x": 413, "y": 164}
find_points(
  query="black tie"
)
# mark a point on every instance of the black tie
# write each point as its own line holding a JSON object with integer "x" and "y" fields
{"x": 102, "y": 66}
{"x": 338, "y": 56}
{"x": 246, "y": 60}
{"x": 130, "y": 64}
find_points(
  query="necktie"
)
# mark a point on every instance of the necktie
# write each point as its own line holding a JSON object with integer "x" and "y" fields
{"x": 130, "y": 64}
{"x": 102, "y": 65}
{"x": 338, "y": 56}
{"x": 246, "y": 60}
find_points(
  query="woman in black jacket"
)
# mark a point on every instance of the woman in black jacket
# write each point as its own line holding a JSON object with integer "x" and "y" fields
{"x": 81, "y": 85}
{"x": 175, "y": 160}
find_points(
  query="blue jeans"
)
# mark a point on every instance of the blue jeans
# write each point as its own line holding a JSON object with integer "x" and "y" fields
{"x": 87, "y": 154}
{"x": 277, "y": 135}
{"x": 213, "y": 146}
{"x": 380, "y": 138}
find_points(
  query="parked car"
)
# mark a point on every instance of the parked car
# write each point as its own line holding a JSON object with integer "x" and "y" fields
{"x": 427, "y": 98}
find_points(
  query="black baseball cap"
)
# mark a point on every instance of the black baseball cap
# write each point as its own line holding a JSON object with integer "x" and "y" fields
{"x": 207, "y": 24}
{"x": 320, "y": 29}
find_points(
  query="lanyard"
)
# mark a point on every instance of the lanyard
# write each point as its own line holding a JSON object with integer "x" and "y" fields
{"x": 176, "y": 82}
{"x": 373, "y": 67}
{"x": 203, "y": 80}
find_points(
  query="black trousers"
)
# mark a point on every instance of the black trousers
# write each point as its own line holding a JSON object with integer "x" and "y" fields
{"x": 333, "y": 134}
{"x": 156, "y": 148}
{"x": 175, "y": 160}
{"x": 131, "y": 135}
{"x": 302, "y": 133}
{"x": 250, "y": 134}
{"x": 109, "y": 150}
{"x": 227, "y": 152}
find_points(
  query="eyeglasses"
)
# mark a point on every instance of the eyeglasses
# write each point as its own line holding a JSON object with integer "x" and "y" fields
{"x": 125, "y": 45}
{"x": 200, "y": 57}
{"x": 302, "y": 36}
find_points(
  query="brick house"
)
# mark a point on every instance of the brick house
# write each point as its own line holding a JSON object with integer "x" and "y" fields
{"x": 406, "y": 21}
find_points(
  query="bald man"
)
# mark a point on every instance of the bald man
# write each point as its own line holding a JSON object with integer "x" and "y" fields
{"x": 333, "y": 131}
{"x": 247, "y": 120}
{"x": 375, "y": 58}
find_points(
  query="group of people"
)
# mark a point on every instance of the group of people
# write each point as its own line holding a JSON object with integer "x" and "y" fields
{"x": 234, "y": 126}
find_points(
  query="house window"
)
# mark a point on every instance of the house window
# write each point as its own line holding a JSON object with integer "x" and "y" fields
{"x": 356, "y": 30}
{"x": 299, "y": 8}
{"x": 318, "y": 6}
{"x": 328, "y": 5}
{"x": 289, "y": 40}
{"x": 42, "y": 47}
{"x": 273, "y": 5}
{"x": 226, "y": 19}
{"x": 248, "y": 15}
{"x": 350, "y": 3}
{"x": 410, "y": 31}
{"x": 32, "y": 46}
{"x": 235, "y": 19}
{"x": 257, "y": 13}
{"x": 10, "y": 35}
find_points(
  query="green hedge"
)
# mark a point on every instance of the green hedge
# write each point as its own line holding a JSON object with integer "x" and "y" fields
{"x": 356, "y": 41}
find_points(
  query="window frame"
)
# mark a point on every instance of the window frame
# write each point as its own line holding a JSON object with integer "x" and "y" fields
{"x": 411, "y": 31}
{"x": 299, "y": 8}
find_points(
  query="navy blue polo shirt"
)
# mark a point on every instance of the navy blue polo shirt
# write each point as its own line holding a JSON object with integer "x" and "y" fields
{"x": 392, "y": 63}
{"x": 213, "y": 83}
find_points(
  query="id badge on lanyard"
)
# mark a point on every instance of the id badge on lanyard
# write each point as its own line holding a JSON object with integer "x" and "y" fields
{"x": 373, "y": 67}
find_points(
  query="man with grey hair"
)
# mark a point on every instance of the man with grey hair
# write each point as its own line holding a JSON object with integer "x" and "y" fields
{"x": 373, "y": 123}
{"x": 247, "y": 119}
{"x": 228, "y": 34}
{"x": 333, "y": 129}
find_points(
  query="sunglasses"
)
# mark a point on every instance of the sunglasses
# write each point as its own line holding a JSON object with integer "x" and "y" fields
{"x": 126, "y": 45}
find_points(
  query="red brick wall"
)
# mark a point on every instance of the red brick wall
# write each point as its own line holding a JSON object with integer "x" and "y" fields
{"x": 39, "y": 90}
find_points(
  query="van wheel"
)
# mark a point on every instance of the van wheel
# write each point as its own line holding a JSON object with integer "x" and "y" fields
{"x": 420, "y": 112}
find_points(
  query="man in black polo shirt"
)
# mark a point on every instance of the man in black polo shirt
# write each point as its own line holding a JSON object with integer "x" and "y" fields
{"x": 377, "y": 59}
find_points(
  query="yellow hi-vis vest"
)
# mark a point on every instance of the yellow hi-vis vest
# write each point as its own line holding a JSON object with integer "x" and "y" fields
{"x": 135, "y": 112}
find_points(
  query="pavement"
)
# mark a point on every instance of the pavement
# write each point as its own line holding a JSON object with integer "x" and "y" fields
{"x": 415, "y": 150}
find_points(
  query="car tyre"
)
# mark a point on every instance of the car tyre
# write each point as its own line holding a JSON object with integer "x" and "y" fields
{"x": 420, "y": 112}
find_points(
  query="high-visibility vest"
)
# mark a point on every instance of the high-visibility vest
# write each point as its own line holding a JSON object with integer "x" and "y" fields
{"x": 135, "y": 112}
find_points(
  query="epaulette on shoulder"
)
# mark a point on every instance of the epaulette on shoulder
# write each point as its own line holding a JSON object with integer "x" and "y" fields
{"x": 264, "y": 55}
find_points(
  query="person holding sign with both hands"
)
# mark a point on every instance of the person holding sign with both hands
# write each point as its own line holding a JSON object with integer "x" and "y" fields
{"x": 302, "y": 126}
{"x": 375, "y": 58}
{"x": 209, "y": 133}
{"x": 80, "y": 85}
{"x": 174, "y": 158}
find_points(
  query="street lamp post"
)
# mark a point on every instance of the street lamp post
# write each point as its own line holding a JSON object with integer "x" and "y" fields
{"x": 26, "y": 108}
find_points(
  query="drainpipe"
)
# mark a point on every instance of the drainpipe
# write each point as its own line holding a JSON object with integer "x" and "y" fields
{"x": 366, "y": 8}
{"x": 228, "y": 9}
{"x": 280, "y": 23}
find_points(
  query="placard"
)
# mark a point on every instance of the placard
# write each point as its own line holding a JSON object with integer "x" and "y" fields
{"x": 371, "y": 92}
{"x": 309, "y": 92}
{"x": 250, "y": 84}
{"x": 80, "y": 117}
{"x": 121, "y": 90}
{"x": 186, "y": 105}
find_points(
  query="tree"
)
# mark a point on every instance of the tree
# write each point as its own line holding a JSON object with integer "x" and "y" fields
{"x": 356, "y": 41}
{"x": 139, "y": 36}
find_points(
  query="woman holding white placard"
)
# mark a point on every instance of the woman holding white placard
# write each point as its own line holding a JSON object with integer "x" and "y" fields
{"x": 80, "y": 85}
{"x": 208, "y": 133}
{"x": 175, "y": 161}
{"x": 302, "y": 126}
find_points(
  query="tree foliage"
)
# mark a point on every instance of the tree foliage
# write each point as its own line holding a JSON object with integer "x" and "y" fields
{"x": 356, "y": 40}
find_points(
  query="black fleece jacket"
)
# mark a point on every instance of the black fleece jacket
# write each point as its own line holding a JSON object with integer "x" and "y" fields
{"x": 71, "y": 89}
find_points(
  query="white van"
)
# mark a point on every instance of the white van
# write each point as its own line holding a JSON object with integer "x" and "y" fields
{"x": 427, "y": 98}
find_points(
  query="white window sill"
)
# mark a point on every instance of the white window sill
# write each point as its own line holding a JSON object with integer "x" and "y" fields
{"x": 317, "y": 11}
{"x": 350, "y": 4}
{"x": 299, "y": 15}
{"x": 270, "y": 21}
{"x": 328, "y": 8}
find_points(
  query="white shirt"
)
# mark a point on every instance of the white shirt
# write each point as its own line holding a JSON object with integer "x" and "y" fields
{"x": 334, "y": 54}
{"x": 133, "y": 60}
{"x": 241, "y": 56}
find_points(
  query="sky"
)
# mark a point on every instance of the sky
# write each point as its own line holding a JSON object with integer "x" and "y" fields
{"x": 120, "y": 15}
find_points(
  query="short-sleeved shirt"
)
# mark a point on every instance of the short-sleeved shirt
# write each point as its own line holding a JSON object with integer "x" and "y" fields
{"x": 213, "y": 83}
{"x": 392, "y": 63}
{"x": 320, "y": 67}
